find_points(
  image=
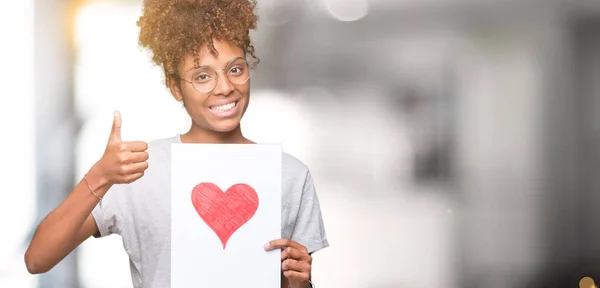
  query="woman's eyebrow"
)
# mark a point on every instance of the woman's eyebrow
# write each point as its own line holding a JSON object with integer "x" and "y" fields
{"x": 206, "y": 66}
{"x": 196, "y": 68}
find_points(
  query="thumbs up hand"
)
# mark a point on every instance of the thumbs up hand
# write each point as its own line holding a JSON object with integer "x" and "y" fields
{"x": 123, "y": 162}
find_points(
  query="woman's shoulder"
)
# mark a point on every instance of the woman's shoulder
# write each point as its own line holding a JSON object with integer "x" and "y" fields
{"x": 164, "y": 141}
{"x": 162, "y": 144}
{"x": 295, "y": 173}
{"x": 292, "y": 163}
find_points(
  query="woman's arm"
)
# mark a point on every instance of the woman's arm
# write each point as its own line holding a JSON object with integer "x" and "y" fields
{"x": 65, "y": 227}
{"x": 71, "y": 222}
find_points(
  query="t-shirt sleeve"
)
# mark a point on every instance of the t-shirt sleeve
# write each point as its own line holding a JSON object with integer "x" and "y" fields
{"x": 107, "y": 213}
{"x": 309, "y": 229}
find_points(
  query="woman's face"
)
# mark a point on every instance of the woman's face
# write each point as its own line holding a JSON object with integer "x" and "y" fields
{"x": 221, "y": 109}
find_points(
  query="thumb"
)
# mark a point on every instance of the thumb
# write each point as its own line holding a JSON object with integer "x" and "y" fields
{"x": 115, "y": 133}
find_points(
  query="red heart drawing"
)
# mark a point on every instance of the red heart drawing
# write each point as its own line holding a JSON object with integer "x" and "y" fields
{"x": 225, "y": 212}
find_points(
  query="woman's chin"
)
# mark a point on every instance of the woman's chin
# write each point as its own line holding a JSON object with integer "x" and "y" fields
{"x": 225, "y": 126}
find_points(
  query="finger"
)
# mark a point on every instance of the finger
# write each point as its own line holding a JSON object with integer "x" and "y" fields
{"x": 294, "y": 265}
{"x": 292, "y": 253}
{"x": 295, "y": 275}
{"x": 115, "y": 133}
{"x": 137, "y": 157}
{"x": 134, "y": 168}
{"x": 136, "y": 146}
{"x": 281, "y": 243}
{"x": 130, "y": 178}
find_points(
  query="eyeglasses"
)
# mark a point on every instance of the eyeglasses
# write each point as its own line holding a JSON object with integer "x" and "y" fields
{"x": 205, "y": 79}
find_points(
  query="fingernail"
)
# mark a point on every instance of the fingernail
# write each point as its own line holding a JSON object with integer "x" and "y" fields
{"x": 267, "y": 246}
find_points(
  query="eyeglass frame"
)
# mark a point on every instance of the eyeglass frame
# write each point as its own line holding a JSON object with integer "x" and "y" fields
{"x": 217, "y": 73}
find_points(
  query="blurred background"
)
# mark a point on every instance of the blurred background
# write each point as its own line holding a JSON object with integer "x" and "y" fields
{"x": 454, "y": 143}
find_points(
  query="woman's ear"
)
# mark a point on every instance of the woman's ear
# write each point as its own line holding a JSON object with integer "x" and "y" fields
{"x": 175, "y": 88}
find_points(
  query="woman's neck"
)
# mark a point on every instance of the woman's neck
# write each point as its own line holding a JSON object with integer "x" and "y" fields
{"x": 200, "y": 135}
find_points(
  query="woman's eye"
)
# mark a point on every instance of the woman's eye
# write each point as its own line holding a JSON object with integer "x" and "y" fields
{"x": 236, "y": 70}
{"x": 201, "y": 77}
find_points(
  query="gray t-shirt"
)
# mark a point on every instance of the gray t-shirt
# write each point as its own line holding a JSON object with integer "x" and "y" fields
{"x": 141, "y": 213}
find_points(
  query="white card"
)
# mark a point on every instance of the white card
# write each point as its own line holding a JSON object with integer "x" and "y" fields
{"x": 225, "y": 206}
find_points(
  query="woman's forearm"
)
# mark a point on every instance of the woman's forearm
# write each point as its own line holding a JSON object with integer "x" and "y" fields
{"x": 62, "y": 230}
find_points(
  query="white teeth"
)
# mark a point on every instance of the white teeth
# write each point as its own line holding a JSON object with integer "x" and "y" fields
{"x": 223, "y": 108}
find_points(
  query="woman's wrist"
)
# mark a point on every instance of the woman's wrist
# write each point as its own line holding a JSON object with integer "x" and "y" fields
{"x": 97, "y": 180}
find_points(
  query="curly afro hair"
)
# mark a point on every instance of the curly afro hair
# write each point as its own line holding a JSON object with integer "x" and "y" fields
{"x": 171, "y": 29}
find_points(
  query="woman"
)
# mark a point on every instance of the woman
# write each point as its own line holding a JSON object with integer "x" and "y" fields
{"x": 202, "y": 46}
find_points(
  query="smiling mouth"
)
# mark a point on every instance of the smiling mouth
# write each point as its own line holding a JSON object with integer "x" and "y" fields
{"x": 224, "y": 108}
